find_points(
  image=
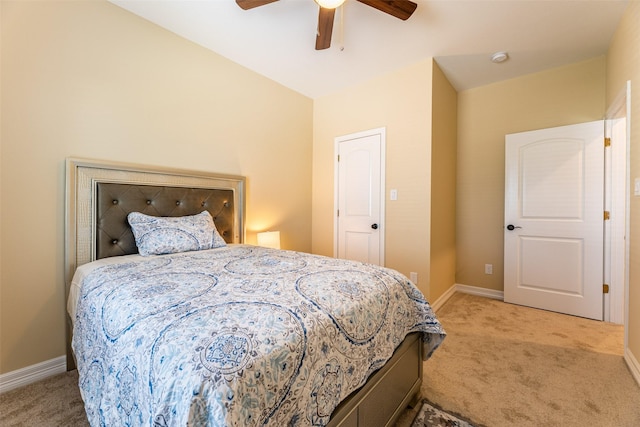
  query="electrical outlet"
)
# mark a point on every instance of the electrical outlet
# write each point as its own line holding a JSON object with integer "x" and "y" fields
{"x": 488, "y": 269}
{"x": 413, "y": 276}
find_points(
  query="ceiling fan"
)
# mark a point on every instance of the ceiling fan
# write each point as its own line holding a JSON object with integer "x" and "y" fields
{"x": 401, "y": 9}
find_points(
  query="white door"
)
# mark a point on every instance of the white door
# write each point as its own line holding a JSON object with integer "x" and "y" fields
{"x": 553, "y": 238}
{"x": 360, "y": 196}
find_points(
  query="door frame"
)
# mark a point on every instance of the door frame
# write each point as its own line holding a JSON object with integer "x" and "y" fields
{"x": 382, "y": 131}
{"x": 617, "y": 303}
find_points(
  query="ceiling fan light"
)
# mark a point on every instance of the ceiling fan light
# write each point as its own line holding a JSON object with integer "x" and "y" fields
{"x": 330, "y": 4}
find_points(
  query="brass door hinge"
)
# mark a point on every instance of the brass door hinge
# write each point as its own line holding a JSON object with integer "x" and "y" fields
{"x": 605, "y": 289}
{"x": 606, "y": 215}
{"x": 607, "y": 142}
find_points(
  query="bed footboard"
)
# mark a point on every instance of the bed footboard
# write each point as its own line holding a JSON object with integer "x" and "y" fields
{"x": 387, "y": 392}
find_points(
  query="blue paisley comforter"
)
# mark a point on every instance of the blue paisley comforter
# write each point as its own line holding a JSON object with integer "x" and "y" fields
{"x": 238, "y": 336}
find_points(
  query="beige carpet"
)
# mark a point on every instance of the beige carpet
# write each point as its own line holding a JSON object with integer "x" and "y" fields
{"x": 507, "y": 365}
{"x": 54, "y": 402}
{"x": 500, "y": 365}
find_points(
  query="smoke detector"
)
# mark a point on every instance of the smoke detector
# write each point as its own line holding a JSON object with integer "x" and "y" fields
{"x": 499, "y": 57}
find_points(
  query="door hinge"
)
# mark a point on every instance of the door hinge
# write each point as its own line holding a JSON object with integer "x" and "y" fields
{"x": 338, "y": 212}
{"x": 338, "y": 157}
{"x": 606, "y": 215}
{"x": 605, "y": 289}
{"x": 607, "y": 142}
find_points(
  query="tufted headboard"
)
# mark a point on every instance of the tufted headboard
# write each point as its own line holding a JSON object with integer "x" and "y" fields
{"x": 99, "y": 195}
{"x": 115, "y": 201}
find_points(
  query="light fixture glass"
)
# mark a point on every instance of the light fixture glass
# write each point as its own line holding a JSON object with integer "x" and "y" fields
{"x": 269, "y": 239}
{"x": 330, "y": 4}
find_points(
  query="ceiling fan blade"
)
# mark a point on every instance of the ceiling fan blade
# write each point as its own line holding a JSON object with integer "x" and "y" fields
{"x": 401, "y": 9}
{"x": 250, "y": 4}
{"x": 325, "y": 28}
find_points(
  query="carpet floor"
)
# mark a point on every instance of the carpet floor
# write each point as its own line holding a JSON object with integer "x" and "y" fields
{"x": 54, "y": 402}
{"x": 507, "y": 365}
{"x": 501, "y": 365}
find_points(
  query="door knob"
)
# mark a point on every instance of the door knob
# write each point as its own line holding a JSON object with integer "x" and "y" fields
{"x": 374, "y": 226}
{"x": 512, "y": 227}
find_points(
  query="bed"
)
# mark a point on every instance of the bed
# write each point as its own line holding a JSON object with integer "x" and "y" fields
{"x": 169, "y": 329}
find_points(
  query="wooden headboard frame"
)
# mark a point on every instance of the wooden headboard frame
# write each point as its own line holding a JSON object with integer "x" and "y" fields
{"x": 93, "y": 230}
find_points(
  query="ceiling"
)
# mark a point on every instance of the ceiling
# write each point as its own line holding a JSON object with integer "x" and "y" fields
{"x": 277, "y": 40}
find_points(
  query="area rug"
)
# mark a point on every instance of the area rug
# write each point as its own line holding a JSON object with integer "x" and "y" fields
{"x": 430, "y": 416}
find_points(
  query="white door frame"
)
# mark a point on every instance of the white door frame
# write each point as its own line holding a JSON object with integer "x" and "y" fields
{"x": 618, "y": 129}
{"x": 382, "y": 224}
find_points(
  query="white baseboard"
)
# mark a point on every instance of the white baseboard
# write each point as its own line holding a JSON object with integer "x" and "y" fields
{"x": 32, "y": 374}
{"x": 466, "y": 289}
{"x": 435, "y": 305}
{"x": 481, "y": 292}
{"x": 633, "y": 364}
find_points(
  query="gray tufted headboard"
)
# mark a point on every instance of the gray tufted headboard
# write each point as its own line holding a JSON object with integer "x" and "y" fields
{"x": 99, "y": 195}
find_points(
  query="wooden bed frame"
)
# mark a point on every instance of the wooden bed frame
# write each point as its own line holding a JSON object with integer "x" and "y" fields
{"x": 95, "y": 229}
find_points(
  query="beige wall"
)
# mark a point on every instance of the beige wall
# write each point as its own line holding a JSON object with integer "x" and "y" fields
{"x": 562, "y": 96}
{"x": 401, "y": 102}
{"x": 443, "y": 185}
{"x": 89, "y": 79}
{"x": 623, "y": 63}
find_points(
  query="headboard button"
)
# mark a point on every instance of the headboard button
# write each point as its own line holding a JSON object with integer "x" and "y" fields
{"x": 114, "y": 241}
{"x": 115, "y": 202}
{"x": 148, "y": 202}
{"x": 178, "y": 203}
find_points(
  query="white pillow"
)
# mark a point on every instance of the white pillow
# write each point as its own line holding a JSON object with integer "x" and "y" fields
{"x": 166, "y": 235}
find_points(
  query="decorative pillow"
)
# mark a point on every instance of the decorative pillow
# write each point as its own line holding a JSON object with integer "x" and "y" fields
{"x": 167, "y": 235}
